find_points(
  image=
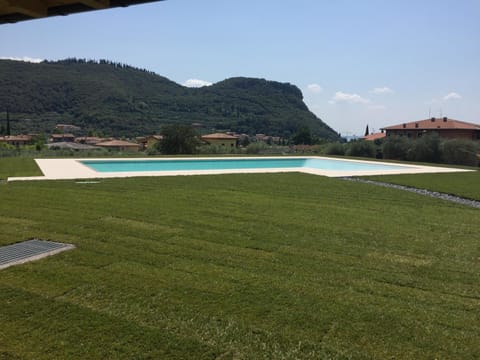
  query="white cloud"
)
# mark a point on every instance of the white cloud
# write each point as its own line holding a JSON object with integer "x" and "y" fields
{"x": 382, "y": 90}
{"x": 452, "y": 96}
{"x": 314, "y": 88}
{"x": 350, "y": 98}
{"x": 196, "y": 83}
{"x": 25, "y": 58}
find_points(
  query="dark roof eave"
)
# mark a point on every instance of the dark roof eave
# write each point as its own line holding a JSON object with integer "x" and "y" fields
{"x": 419, "y": 128}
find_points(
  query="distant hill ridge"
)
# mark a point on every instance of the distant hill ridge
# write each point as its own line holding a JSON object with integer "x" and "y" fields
{"x": 120, "y": 100}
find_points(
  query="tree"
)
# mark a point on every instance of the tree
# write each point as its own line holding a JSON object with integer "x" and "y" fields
{"x": 335, "y": 148}
{"x": 460, "y": 152}
{"x": 178, "y": 139}
{"x": 303, "y": 136}
{"x": 396, "y": 147}
{"x": 244, "y": 141}
{"x": 367, "y": 131}
{"x": 361, "y": 148}
{"x": 426, "y": 148}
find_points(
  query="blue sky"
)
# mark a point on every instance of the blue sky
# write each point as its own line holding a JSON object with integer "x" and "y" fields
{"x": 357, "y": 62}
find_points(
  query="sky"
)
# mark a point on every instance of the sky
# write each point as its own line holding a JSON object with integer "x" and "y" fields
{"x": 357, "y": 62}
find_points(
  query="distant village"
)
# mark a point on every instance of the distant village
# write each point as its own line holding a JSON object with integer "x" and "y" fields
{"x": 64, "y": 138}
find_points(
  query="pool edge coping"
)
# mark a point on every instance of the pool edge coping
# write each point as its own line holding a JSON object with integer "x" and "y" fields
{"x": 73, "y": 168}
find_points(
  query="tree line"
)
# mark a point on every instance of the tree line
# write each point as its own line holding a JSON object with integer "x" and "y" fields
{"x": 429, "y": 148}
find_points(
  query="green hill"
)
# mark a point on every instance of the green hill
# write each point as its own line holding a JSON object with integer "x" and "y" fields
{"x": 120, "y": 100}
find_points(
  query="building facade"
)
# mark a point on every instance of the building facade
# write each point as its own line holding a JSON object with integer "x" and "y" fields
{"x": 220, "y": 139}
{"x": 17, "y": 140}
{"x": 444, "y": 127}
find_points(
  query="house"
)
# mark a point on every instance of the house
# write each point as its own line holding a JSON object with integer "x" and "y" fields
{"x": 149, "y": 141}
{"x": 221, "y": 139}
{"x": 91, "y": 140}
{"x": 374, "y": 136}
{"x": 119, "y": 145}
{"x": 276, "y": 139}
{"x": 17, "y": 140}
{"x": 62, "y": 138}
{"x": 445, "y": 127}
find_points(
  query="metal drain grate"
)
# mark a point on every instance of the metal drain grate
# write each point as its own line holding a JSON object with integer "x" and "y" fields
{"x": 29, "y": 250}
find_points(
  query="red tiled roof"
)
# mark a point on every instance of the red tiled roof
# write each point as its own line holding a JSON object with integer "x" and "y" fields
{"x": 91, "y": 139}
{"x": 156, "y": 137}
{"x": 435, "y": 123}
{"x": 375, "y": 136}
{"x": 221, "y": 136}
{"x": 61, "y": 136}
{"x": 116, "y": 143}
{"x": 16, "y": 138}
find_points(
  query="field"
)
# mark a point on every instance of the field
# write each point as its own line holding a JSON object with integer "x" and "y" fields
{"x": 254, "y": 266}
{"x": 465, "y": 185}
{"x": 18, "y": 166}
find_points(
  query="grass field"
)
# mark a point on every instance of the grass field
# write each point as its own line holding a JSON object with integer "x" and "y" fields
{"x": 18, "y": 166}
{"x": 462, "y": 184}
{"x": 270, "y": 266}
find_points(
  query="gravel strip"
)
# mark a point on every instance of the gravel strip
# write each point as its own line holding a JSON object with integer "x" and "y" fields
{"x": 434, "y": 194}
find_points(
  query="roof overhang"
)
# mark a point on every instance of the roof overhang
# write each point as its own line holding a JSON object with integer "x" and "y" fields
{"x": 12, "y": 11}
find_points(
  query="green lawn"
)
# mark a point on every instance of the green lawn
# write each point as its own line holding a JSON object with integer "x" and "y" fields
{"x": 18, "y": 166}
{"x": 461, "y": 184}
{"x": 254, "y": 266}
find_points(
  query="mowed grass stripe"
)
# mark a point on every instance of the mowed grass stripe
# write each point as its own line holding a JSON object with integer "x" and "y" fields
{"x": 253, "y": 266}
{"x": 460, "y": 184}
{"x": 71, "y": 330}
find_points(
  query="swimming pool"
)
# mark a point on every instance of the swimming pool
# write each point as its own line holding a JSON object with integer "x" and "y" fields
{"x": 107, "y": 166}
{"x": 56, "y": 169}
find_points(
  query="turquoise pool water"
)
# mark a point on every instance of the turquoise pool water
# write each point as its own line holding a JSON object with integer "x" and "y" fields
{"x": 233, "y": 164}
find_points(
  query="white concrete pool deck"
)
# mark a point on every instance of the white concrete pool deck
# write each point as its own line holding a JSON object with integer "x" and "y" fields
{"x": 73, "y": 169}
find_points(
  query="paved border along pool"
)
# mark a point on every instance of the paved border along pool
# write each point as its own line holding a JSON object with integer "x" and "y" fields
{"x": 56, "y": 169}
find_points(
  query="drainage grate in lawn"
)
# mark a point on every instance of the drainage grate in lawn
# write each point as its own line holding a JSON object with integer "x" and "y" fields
{"x": 29, "y": 250}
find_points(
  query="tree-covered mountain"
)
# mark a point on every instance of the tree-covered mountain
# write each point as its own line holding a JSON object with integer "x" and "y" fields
{"x": 120, "y": 100}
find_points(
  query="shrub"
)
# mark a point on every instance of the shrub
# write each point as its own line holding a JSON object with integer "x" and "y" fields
{"x": 335, "y": 149}
{"x": 427, "y": 149}
{"x": 152, "y": 150}
{"x": 217, "y": 149}
{"x": 460, "y": 152}
{"x": 256, "y": 147}
{"x": 361, "y": 148}
{"x": 396, "y": 147}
